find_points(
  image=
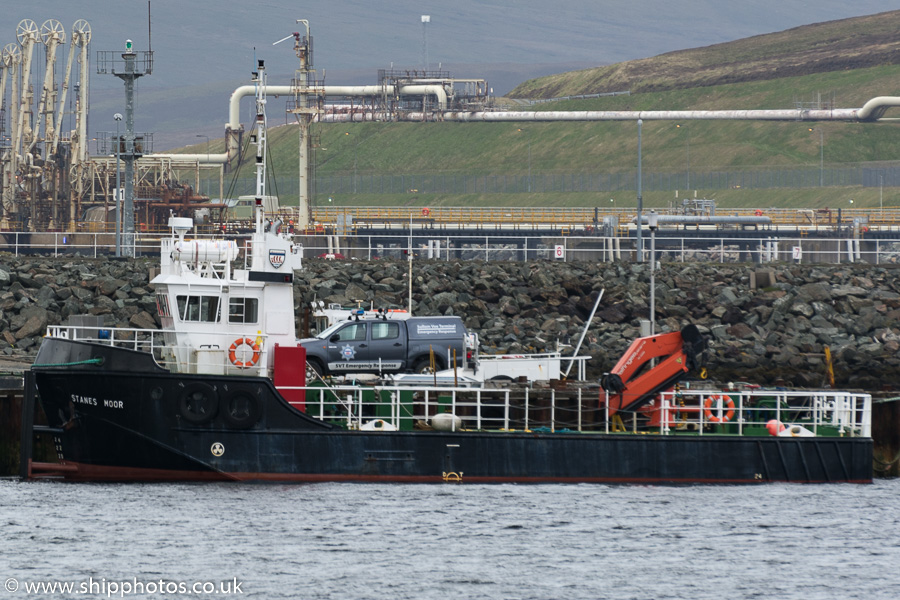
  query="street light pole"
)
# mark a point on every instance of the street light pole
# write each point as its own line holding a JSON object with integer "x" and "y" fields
{"x": 528, "y": 135}
{"x": 117, "y": 117}
{"x": 652, "y": 220}
{"x": 688, "y": 144}
{"x": 200, "y": 135}
{"x": 529, "y": 164}
{"x": 640, "y": 198}
{"x": 821, "y": 155}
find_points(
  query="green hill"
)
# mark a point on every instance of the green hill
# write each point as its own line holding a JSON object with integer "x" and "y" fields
{"x": 841, "y": 45}
{"x": 771, "y": 80}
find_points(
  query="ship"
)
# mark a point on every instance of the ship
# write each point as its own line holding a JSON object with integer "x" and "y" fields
{"x": 222, "y": 392}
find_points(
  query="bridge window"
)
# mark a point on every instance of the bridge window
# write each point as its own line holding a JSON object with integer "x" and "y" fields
{"x": 243, "y": 310}
{"x": 198, "y": 308}
{"x": 162, "y": 305}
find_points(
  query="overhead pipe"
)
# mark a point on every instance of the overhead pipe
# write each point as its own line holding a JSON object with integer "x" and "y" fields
{"x": 332, "y": 90}
{"x": 841, "y": 114}
{"x": 234, "y": 122}
{"x": 873, "y": 110}
{"x": 705, "y": 220}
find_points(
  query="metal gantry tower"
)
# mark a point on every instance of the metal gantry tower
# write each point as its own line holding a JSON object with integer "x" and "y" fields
{"x": 131, "y": 66}
{"x": 38, "y": 159}
{"x": 309, "y": 95}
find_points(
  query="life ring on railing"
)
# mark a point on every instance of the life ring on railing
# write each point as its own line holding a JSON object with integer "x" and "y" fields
{"x": 243, "y": 364}
{"x": 727, "y": 402}
{"x": 426, "y": 212}
{"x": 758, "y": 212}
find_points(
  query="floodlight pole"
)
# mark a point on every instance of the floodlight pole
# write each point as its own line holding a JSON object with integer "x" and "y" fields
{"x": 640, "y": 199}
{"x": 118, "y": 117}
{"x": 652, "y": 220}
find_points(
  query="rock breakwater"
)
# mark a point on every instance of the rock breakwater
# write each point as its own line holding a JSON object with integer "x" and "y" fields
{"x": 764, "y": 327}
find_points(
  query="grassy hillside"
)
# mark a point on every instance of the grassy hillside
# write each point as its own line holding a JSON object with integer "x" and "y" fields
{"x": 819, "y": 48}
{"x": 611, "y": 147}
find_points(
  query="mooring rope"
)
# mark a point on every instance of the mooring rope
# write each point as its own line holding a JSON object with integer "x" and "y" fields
{"x": 90, "y": 361}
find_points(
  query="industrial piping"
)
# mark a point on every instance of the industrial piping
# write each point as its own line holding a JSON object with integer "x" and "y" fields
{"x": 705, "y": 220}
{"x": 873, "y": 110}
{"x": 234, "y": 109}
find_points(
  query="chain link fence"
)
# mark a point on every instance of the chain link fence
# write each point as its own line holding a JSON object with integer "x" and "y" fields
{"x": 887, "y": 175}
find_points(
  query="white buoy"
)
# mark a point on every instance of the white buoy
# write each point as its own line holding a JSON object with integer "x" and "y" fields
{"x": 446, "y": 422}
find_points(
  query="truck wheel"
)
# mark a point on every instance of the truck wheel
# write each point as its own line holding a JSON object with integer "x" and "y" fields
{"x": 423, "y": 366}
{"x": 314, "y": 369}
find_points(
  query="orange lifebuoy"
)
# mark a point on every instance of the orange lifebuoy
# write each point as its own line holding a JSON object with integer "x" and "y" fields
{"x": 243, "y": 364}
{"x": 426, "y": 212}
{"x": 728, "y": 403}
{"x": 758, "y": 212}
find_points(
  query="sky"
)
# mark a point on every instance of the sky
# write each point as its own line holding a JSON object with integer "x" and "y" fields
{"x": 203, "y": 50}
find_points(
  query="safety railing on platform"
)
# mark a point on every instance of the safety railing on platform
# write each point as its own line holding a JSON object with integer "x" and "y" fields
{"x": 823, "y": 413}
{"x": 760, "y": 247}
{"x": 212, "y": 357}
{"x": 794, "y": 413}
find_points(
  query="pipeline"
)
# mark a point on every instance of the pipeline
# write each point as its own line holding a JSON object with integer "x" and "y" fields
{"x": 873, "y": 110}
{"x": 705, "y": 220}
{"x": 840, "y": 114}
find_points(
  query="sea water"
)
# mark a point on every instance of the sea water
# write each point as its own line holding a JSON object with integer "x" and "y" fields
{"x": 449, "y": 541}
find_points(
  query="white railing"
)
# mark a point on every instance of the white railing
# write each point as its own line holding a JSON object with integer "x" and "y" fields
{"x": 514, "y": 246}
{"x": 511, "y": 409}
{"x": 209, "y": 358}
{"x": 848, "y": 412}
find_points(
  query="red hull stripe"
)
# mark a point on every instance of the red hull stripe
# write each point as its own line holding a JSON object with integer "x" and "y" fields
{"x": 85, "y": 472}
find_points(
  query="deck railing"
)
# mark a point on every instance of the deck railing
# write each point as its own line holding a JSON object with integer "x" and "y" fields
{"x": 505, "y": 408}
{"x": 741, "y": 413}
{"x": 209, "y": 358}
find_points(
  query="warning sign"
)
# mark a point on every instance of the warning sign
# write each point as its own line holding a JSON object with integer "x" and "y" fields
{"x": 560, "y": 251}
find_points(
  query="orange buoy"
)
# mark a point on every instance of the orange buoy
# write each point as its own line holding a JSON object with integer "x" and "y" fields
{"x": 232, "y": 356}
{"x": 775, "y": 427}
{"x": 728, "y": 403}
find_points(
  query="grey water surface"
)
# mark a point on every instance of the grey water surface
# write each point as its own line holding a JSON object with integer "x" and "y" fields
{"x": 451, "y": 541}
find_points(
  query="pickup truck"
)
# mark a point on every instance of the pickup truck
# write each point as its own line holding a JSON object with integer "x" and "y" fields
{"x": 384, "y": 345}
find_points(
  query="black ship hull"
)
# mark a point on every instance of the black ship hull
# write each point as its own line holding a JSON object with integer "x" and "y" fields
{"x": 128, "y": 420}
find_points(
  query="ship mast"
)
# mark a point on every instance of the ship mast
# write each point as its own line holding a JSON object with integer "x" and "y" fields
{"x": 260, "y": 79}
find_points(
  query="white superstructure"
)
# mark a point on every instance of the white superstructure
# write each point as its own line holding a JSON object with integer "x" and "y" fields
{"x": 218, "y": 318}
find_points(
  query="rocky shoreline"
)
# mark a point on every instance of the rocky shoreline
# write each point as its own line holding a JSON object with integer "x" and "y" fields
{"x": 765, "y": 326}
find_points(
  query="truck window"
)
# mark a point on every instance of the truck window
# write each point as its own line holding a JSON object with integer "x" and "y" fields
{"x": 385, "y": 331}
{"x": 353, "y": 333}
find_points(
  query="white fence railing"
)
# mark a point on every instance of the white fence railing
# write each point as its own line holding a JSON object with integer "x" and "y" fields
{"x": 517, "y": 409}
{"x": 514, "y": 246}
